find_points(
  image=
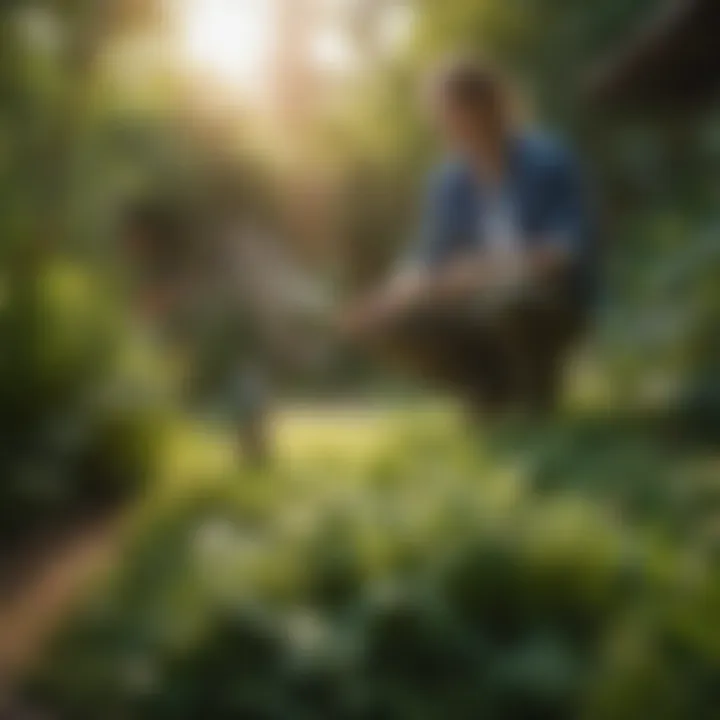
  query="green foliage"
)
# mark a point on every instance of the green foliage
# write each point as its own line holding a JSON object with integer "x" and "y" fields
{"x": 85, "y": 401}
{"x": 394, "y": 592}
{"x": 78, "y": 416}
{"x": 570, "y": 571}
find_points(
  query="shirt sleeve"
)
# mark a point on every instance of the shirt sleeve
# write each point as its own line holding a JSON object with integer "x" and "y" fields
{"x": 570, "y": 224}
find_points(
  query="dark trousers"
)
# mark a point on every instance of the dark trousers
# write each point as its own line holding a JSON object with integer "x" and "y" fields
{"x": 495, "y": 353}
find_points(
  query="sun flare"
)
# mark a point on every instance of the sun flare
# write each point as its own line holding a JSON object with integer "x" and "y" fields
{"x": 231, "y": 40}
{"x": 244, "y": 46}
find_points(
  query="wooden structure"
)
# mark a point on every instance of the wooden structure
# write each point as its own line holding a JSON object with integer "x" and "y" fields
{"x": 673, "y": 61}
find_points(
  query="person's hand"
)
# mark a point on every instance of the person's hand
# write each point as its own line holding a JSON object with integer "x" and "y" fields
{"x": 362, "y": 318}
{"x": 369, "y": 315}
{"x": 460, "y": 280}
{"x": 352, "y": 321}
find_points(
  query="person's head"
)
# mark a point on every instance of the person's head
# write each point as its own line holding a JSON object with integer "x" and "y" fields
{"x": 470, "y": 102}
{"x": 150, "y": 236}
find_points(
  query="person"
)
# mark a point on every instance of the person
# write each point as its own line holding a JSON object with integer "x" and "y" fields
{"x": 153, "y": 248}
{"x": 203, "y": 307}
{"x": 499, "y": 284}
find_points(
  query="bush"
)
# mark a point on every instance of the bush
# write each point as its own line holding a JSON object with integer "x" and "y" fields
{"x": 78, "y": 420}
{"x": 411, "y": 597}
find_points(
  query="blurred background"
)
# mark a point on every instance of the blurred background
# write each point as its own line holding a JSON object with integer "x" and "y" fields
{"x": 210, "y": 507}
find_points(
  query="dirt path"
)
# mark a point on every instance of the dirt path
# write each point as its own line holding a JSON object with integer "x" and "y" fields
{"x": 40, "y": 585}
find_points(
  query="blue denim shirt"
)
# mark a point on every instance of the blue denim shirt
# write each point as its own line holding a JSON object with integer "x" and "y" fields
{"x": 549, "y": 197}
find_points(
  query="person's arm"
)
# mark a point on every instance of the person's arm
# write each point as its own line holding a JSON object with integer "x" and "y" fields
{"x": 545, "y": 257}
{"x": 565, "y": 240}
{"x": 562, "y": 243}
{"x": 414, "y": 276}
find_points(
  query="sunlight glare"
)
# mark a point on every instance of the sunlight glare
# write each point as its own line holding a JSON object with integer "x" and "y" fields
{"x": 231, "y": 40}
{"x": 397, "y": 27}
{"x": 332, "y": 52}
